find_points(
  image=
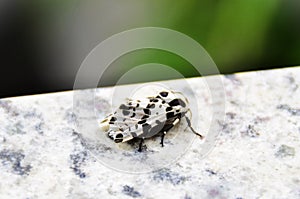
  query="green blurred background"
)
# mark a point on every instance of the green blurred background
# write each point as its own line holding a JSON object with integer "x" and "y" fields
{"x": 44, "y": 42}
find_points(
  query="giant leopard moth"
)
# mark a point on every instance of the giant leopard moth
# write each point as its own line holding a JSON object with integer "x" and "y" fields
{"x": 148, "y": 117}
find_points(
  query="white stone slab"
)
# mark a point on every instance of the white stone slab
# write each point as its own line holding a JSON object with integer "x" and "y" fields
{"x": 251, "y": 146}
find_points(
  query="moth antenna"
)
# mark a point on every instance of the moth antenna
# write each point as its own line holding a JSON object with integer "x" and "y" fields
{"x": 189, "y": 110}
{"x": 190, "y": 125}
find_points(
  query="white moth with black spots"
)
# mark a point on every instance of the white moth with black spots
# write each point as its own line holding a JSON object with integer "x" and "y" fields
{"x": 147, "y": 117}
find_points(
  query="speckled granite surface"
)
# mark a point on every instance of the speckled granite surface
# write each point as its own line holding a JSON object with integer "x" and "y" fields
{"x": 43, "y": 154}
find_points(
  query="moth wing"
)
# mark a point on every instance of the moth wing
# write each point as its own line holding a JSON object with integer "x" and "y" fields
{"x": 131, "y": 115}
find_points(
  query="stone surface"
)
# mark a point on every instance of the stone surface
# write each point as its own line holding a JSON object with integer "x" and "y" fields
{"x": 49, "y": 150}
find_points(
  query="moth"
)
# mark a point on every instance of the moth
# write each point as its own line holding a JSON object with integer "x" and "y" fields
{"x": 148, "y": 117}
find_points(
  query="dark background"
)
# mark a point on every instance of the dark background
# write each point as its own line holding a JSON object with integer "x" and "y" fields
{"x": 43, "y": 43}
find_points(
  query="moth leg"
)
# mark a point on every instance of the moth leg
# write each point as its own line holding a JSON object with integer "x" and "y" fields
{"x": 162, "y": 138}
{"x": 140, "y": 145}
{"x": 189, "y": 125}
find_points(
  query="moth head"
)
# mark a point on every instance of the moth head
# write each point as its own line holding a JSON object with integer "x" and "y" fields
{"x": 119, "y": 136}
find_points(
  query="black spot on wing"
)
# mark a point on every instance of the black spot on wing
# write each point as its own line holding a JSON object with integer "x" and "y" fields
{"x": 164, "y": 94}
{"x": 125, "y": 112}
{"x": 169, "y": 108}
{"x": 119, "y": 138}
{"x": 124, "y": 107}
{"x": 142, "y": 122}
{"x": 133, "y": 115}
{"x": 113, "y": 119}
{"x": 145, "y": 117}
{"x": 150, "y": 106}
{"x": 155, "y": 99}
{"x": 176, "y": 102}
{"x": 147, "y": 111}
